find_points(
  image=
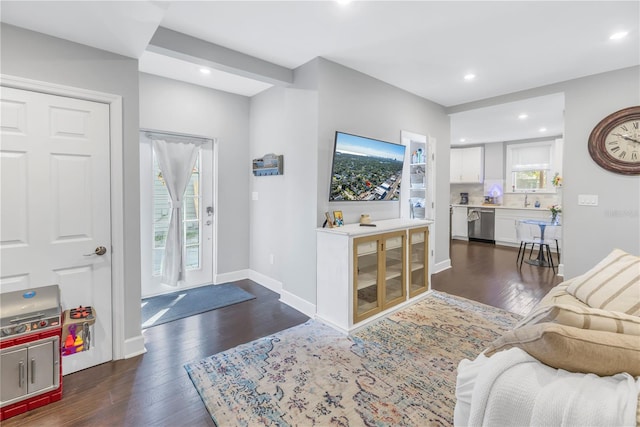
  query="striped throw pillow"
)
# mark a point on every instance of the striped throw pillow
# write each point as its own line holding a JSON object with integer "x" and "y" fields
{"x": 584, "y": 317}
{"x": 613, "y": 284}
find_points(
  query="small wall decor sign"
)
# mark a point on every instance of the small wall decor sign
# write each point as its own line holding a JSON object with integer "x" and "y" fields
{"x": 269, "y": 164}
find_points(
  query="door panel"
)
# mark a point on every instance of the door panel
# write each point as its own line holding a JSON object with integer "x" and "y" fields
{"x": 55, "y": 209}
{"x": 198, "y": 221}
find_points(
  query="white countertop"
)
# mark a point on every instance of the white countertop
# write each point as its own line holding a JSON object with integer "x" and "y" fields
{"x": 500, "y": 207}
{"x": 381, "y": 226}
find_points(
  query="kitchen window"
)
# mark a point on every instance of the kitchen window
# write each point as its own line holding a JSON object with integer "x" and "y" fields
{"x": 530, "y": 167}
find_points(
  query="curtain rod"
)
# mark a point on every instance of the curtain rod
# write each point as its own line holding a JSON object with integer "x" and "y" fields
{"x": 150, "y": 132}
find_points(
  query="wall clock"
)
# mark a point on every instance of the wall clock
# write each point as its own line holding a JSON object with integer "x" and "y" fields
{"x": 614, "y": 143}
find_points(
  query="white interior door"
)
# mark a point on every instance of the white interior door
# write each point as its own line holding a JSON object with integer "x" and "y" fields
{"x": 198, "y": 221}
{"x": 55, "y": 206}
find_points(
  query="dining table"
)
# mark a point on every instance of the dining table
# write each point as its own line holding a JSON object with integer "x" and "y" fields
{"x": 541, "y": 259}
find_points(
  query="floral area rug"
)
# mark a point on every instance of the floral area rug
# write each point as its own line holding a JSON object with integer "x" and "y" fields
{"x": 397, "y": 371}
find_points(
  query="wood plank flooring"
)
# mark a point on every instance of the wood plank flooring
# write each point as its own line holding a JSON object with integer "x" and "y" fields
{"x": 488, "y": 274}
{"x": 154, "y": 390}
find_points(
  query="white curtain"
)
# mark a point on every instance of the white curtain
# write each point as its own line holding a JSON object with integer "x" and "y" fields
{"x": 176, "y": 160}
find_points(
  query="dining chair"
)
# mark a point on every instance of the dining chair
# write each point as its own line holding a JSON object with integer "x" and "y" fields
{"x": 525, "y": 234}
{"x": 553, "y": 233}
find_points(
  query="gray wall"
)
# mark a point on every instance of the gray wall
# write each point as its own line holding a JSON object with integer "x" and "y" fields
{"x": 284, "y": 121}
{"x": 353, "y": 102}
{"x": 300, "y": 123}
{"x": 174, "y": 106}
{"x": 36, "y": 56}
{"x": 590, "y": 233}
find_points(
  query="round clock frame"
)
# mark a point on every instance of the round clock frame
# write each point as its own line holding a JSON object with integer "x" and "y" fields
{"x": 598, "y": 138}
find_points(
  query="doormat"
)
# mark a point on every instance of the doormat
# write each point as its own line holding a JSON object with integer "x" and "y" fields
{"x": 177, "y": 305}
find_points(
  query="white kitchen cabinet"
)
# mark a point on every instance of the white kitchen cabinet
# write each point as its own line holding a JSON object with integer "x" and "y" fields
{"x": 362, "y": 272}
{"x": 459, "y": 228}
{"x": 505, "y": 223}
{"x": 467, "y": 165}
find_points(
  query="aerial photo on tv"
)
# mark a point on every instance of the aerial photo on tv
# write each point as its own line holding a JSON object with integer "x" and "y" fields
{"x": 365, "y": 169}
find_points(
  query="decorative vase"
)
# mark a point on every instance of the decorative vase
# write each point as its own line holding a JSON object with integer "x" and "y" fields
{"x": 554, "y": 217}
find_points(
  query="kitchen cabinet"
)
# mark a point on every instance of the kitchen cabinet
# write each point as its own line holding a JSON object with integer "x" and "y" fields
{"x": 505, "y": 223}
{"x": 362, "y": 272}
{"x": 467, "y": 165}
{"x": 459, "y": 226}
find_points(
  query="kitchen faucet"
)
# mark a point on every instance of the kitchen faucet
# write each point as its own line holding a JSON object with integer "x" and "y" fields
{"x": 526, "y": 198}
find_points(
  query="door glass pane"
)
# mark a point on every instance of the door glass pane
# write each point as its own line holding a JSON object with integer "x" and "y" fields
{"x": 367, "y": 276}
{"x": 417, "y": 261}
{"x": 393, "y": 266}
{"x": 191, "y": 218}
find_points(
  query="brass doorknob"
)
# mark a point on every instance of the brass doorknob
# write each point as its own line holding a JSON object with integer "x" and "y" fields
{"x": 100, "y": 250}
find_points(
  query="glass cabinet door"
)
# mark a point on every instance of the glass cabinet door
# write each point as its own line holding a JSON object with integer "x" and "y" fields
{"x": 418, "y": 261}
{"x": 394, "y": 250}
{"x": 366, "y": 286}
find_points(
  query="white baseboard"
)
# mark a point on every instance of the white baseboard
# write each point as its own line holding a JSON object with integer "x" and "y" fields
{"x": 294, "y": 301}
{"x": 266, "y": 281}
{"x": 134, "y": 347}
{"x": 441, "y": 266}
{"x": 231, "y": 277}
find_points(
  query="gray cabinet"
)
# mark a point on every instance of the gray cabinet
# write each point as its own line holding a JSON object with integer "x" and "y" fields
{"x": 29, "y": 369}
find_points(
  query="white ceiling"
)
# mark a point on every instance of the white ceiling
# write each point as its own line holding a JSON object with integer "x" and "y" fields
{"x": 423, "y": 47}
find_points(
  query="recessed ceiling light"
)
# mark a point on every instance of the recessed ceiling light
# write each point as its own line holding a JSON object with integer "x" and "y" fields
{"x": 469, "y": 77}
{"x": 523, "y": 116}
{"x": 542, "y": 129}
{"x": 619, "y": 35}
{"x": 462, "y": 139}
{"x": 343, "y": 2}
{"x": 205, "y": 71}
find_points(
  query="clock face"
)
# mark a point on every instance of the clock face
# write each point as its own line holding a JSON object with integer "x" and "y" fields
{"x": 614, "y": 143}
{"x": 623, "y": 142}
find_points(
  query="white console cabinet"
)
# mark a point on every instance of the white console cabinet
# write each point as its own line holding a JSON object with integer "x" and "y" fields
{"x": 362, "y": 272}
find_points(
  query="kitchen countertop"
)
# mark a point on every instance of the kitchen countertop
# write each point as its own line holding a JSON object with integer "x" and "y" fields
{"x": 499, "y": 207}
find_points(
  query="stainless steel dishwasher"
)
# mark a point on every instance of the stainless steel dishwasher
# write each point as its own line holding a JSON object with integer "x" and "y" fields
{"x": 481, "y": 224}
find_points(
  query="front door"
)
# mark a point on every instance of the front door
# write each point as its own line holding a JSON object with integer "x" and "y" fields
{"x": 198, "y": 221}
{"x": 55, "y": 206}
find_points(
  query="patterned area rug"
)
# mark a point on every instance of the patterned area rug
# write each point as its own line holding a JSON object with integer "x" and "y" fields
{"x": 397, "y": 371}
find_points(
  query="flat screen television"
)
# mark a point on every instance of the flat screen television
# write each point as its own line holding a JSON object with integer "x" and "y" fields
{"x": 365, "y": 169}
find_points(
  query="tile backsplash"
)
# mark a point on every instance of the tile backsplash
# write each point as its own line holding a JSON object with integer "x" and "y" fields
{"x": 476, "y": 196}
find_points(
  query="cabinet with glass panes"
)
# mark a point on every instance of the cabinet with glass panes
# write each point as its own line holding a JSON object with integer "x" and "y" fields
{"x": 362, "y": 272}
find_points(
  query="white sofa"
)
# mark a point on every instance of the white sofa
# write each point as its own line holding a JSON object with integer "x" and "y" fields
{"x": 573, "y": 360}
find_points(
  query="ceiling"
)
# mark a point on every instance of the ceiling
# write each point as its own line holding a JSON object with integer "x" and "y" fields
{"x": 423, "y": 47}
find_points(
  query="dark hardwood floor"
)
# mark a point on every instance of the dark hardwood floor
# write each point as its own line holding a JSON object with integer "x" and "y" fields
{"x": 154, "y": 389}
{"x": 488, "y": 274}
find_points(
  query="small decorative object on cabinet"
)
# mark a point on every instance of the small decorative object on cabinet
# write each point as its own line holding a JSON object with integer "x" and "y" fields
{"x": 338, "y": 219}
{"x": 362, "y": 272}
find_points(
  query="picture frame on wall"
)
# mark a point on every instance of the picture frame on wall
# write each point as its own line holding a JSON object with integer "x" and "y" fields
{"x": 338, "y": 218}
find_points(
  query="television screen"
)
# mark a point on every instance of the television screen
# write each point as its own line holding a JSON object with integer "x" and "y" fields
{"x": 365, "y": 169}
